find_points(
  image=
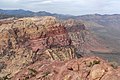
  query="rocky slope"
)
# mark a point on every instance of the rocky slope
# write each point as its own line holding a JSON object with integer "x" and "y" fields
{"x": 106, "y": 27}
{"x": 26, "y": 41}
{"x": 83, "y": 39}
{"x": 92, "y": 68}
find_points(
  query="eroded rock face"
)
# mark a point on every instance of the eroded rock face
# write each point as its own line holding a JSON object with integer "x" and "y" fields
{"x": 26, "y": 40}
{"x": 83, "y": 40}
{"x": 30, "y": 41}
{"x": 92, "y": 68}
{"x": 47, "y": 32}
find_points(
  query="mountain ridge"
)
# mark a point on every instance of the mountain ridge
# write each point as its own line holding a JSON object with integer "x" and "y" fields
{"x": 28, "y": 13}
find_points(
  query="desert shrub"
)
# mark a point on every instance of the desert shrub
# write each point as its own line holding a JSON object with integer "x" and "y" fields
{"x": 114, "y": 65}
{"x": 93, "y": 63}
{"x": 6, "y": 77}
{"x": 46, "y": 74}
{"x": 96, "y": 62}
{"x": 32, "y": 73}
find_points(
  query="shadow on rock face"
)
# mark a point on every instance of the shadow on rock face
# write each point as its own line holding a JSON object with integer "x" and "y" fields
{"x": 2, "y": 65}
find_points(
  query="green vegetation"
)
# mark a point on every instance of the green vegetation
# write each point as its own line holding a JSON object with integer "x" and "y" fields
{"x": 32, "y": 73}
{"x": 114, "y": 65}
{"x": 5, "y": 77}
{"x": 26, "y": 78}
{"x": 93, "y": 63}
{"x": 46, "y": 74}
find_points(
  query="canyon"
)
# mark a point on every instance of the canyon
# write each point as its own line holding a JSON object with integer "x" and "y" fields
{"x": 46, "y": 48}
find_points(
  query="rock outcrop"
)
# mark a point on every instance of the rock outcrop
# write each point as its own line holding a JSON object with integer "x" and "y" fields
{"x": 83, "y": 40}
{"x": 92, "y": 68}
{"x": 26, "y": 40}
{"x": 46, "y": 44}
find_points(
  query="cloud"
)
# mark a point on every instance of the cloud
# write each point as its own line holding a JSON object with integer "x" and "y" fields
{"x": 46, "y": 2}
{"x": 75, "y": 7}
{"x": 8, "y": 1}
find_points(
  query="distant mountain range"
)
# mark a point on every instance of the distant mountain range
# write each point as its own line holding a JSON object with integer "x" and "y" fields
{"x": 105, "y": 26}
{"x": 27, "y": 13}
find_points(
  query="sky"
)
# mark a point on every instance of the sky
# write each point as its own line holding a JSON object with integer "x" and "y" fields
{"x": 73, "y": 7}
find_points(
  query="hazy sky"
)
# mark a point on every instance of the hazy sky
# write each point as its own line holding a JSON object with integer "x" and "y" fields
{"x": 75, "y": 7}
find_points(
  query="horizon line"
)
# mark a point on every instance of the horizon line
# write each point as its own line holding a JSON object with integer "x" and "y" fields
{"x": 63, "y": 13}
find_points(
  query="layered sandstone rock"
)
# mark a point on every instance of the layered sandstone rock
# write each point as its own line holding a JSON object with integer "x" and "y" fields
{"x": 26, "y": 40}
{"x": 92, "y": 68}
{"x": 83, "y": 39}
{"x": 45, "y": 41}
